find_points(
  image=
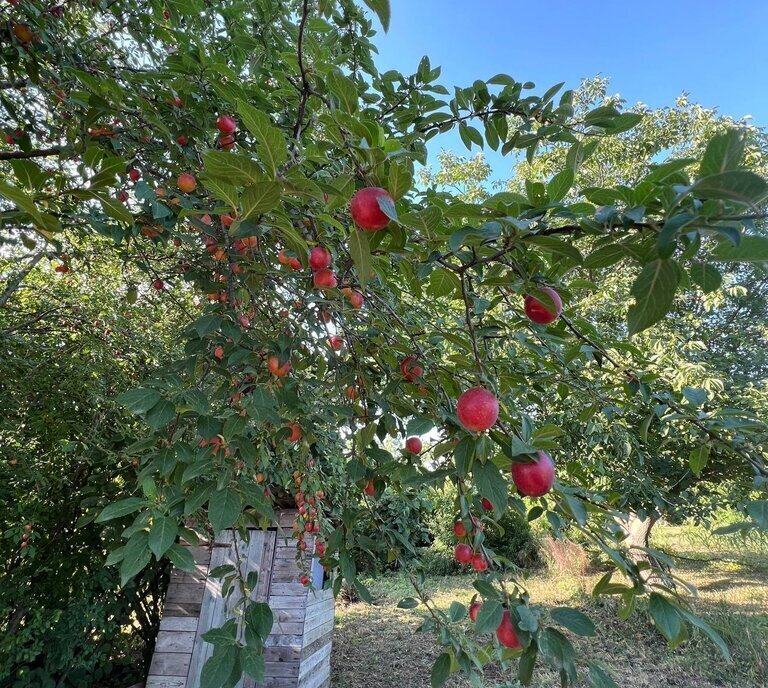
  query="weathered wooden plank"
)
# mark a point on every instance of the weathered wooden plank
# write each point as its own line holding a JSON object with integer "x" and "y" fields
{"x": 190, "y": 609}
{"x": 288, "y": 627}
{"x": 286, "y": 601}
{"x": 314, "y": 646}
{"x": 288, "y": 615}
{"x": 318, "y": 663}
{"x": 197, "y": 576}
{"x": 166, "y": 682}
{"x": 320, "y": 596}
{"x": 280, "y": 640}
{"x": 175, "y": 641}
{"x": 281, "y": 669}
{"x": 296, "y": 589}
{"x": 201, "y": 554}
{"x": 282, "y": 654}
{"x": 178, "y": 623}
{"x": 185, "y": 593}
{"x": 169, "y": 664}
{"x": 265, "y": 566}
{"x": 318, "y": 619}
{"x": 314, "y": 633}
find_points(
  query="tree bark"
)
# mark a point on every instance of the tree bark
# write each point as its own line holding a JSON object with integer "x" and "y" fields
{"x": 638, "y": 532}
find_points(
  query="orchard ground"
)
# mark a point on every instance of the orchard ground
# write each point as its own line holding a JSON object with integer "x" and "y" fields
{"x": 376, "y": 645}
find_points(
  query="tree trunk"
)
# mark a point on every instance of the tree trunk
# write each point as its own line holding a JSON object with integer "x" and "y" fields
{"x": 638, "y": 532}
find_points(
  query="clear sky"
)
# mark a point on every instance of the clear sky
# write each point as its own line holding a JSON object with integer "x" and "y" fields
{"x": 653, "y": 50}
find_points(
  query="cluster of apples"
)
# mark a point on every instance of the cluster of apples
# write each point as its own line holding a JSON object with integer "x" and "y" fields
{"x": 25, "y": 536}
{"x": 307, "y": 524}
{"x": 227, "y": 127}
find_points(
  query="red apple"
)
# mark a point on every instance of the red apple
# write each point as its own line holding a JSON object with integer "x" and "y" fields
{"x": 356, "y": 299}
{"x": 505, "y": 633}
{"x": 226, "y": 143}
{"x": 459, "y": 530}
{"x": 158, "y": 284}
{"x": 410, "y": 369}
{"x": 413, "y": 445}
{"x": 178, "y": 102}
{"x": 294, "y": 264}
{"x": 474, "y": 609}
{"x": 122, "y": 196}
{"x": 369, "y": 488}
{"x": 477, "y": 409}
{"x": 320, "y": 549}
{"x": 534, "y": 479}
{"x": 319, "y": 258}
{"x": 295, "y": 435}
{"x": 325, "y": 279}
{"x": 463, "y": 553}
{"x": 487, "y": 504}
{"x": 335, "y": 342}
{"x": 219, "y": 352}
{"x": 539, "y": 313}
{"x": 182, "y": 140}
{"x": 186, "y": 182}
{"x": 304, "y": 580}
{"x": 226, "y": 125}
{"x": 479, "y": 562}
{"x": 366, "y": 211}
{"x": 273, "y": 364}
{"x": 134, "y": 174}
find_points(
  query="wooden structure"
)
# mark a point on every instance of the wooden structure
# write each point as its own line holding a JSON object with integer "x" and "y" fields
{"x": 298, "y": 651}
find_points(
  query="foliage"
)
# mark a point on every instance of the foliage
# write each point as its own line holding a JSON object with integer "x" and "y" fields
{"x": 97, "y": 90}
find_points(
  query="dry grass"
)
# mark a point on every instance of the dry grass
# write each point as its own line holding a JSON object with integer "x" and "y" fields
{"x": 376, "y": 645}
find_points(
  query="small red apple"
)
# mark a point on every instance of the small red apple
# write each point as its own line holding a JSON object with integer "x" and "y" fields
{"x": 463, "y": 553}
{"x": 319, "y": 258}
{"x": 505, "y": 633}
{"x": 487, "y": 504}
{"x": 122, "y": 196}
{"x": 479, "y": 562}
{"x": 410, "y": 369}
{"x": 304, "y": 580}
{"x": 219, "y": 352}
{"x": 182, "y": 140}
{"x": 477, "y": 409}
{"x": 178, "y": 102}
{"x": 226, "y": 143}
{"x": 186, "y": 182}
{"x": 539, "y": 313}
{"x": 295, "y": 264}
{"x": 366, "y": 211}
{"x": 413, "y": 445}
{"x": 273, "y": 364}
{"x": 335, "y": 342}
{"x": 134, "y": 174}
{"x": 369, "y": 488}
{"x": 226, "y": 125}
{"x": 459, "y": 530}
{"x": 356, "y": 299}
{"x": 320, "y": 549}
{"x": 295, "y": 435}
{"x": 474, "y": 609}
{"x": 325, "y": 279}
{"x": 534, "y": 479}
{"x": 158, "y": 284}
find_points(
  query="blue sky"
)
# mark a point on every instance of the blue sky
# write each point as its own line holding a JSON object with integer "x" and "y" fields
{"x": 652, "y": 50}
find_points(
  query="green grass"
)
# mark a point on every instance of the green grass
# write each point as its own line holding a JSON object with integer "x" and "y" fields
{"x": 375, "y": 645}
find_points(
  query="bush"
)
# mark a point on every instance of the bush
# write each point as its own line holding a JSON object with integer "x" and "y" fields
{"x": 438, "y": 560}
{"x": 514, "y": 540}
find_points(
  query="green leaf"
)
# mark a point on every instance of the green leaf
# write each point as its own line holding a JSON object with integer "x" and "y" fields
{"x": 136, "y": 556}
{"x": 443, "y": 282}
{"x": 162, "y": 535}
{"x": 344, "y": 91}
{"x": 400, "y": 181}
{"x": 751, "y": 249}
{"x": 139, "y": 400}
{"x": 724, "y": 152}
{"x": 665, "y": 615}
{"x": 574, "y": 620}
{"x": 181, "y": 557}
{"x": 654, "y": 292}
{"x": 441, "y": 669}
{"x": 557, "y": 246}
{"x": 114, "y": 208}
{"x": 457, "y": 612}
{"x": 408, "y": 603}
{"x": 223, "y": 509}
{"x": 698, "y": 459}
{"x": 707, "y": 276}
{"x": 605, "y": 256}
{"x": 260, "y": 198}
{"x": 269, "y": 140}
{"x": 559, "y": 651}
{"x": 360, "y": 251}
{"x": 161, "y": 414}
{"x": 489, "y": 617}
{"x": 219, "y": 666}
{"x": 252, "y": 661}
{"x": 758, "y": 512}
{"x": 121, "y": 508}
{"x": 492, "y": 485}
{"x": 231, "y": 168}
{"x": 713, "y": 635}
{"x": 559, "y": 186}
{"x": 599, "y": 678}
{"x": 382, "y": 10}
{"x": 259, "y": 618}
{"x": 734, "y": 185}
{"x": 224, "y": 635}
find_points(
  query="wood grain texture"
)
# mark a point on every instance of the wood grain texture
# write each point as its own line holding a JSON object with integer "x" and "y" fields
{"x": 166, "y": 682}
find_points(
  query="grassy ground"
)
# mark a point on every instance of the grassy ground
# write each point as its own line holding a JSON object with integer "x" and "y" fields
{"x": 376, "y": 645}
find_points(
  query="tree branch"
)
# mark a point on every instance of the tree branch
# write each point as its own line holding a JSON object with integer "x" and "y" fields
{"x": 39, "y": 153}
{"x": 15, "y": 282}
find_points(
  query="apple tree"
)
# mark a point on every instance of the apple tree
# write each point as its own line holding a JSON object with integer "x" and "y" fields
{"x": 249, "y": 155}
